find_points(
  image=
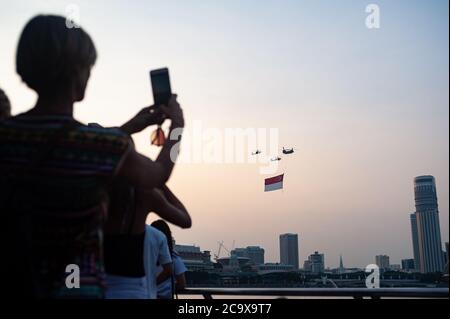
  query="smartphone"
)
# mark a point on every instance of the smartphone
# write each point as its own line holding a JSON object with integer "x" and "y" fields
{"x": 161, "y": 86}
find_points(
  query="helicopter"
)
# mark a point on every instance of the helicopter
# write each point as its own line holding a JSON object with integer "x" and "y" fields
{"x": 288, "y": 150}
{"x": 256, "y": 152}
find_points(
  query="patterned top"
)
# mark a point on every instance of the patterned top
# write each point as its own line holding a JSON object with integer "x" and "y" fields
{"x": 54, "y": 179}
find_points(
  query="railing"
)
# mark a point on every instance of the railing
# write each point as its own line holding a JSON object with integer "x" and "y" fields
{"x": 356, "y": 293}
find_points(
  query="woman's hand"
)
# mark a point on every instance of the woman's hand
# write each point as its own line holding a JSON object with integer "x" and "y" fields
{"x": 148, "y": 116}
{"x": 173, "y": 112}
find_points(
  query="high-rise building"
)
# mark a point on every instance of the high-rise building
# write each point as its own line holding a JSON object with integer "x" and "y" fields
{"x": 408, "y": 264}
{"x": 415, "y": 241}
{"x": 254, "y": 253}
{"x": 307, "y": 266}
{"x": 289, "y": 250}
{"x": 382, "y": 261}
{"x": 316, "y": 263}
{"x": 427, "y": 225}
{"x": 239, "y": 252}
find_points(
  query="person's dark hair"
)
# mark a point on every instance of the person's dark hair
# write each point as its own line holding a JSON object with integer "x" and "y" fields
{"x": 5, "y": 106}
{"x": 162, "y": 226}
{"x": 50, "y": 54}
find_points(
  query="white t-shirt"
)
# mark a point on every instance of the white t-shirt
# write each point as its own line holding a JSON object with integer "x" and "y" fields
{"x": 156, "y": 251}
{"x": 165, "y": 288}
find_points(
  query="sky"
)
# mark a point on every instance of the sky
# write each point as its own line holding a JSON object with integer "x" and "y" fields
{"x": 367, "y": 110}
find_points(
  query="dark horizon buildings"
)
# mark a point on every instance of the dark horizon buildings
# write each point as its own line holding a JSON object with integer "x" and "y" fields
{"x": 425, "y": 227}
{"x": 383, "y": 262}
{"x": 254, "y": 253}
{"x": 315, "y": 263}
{"x": 408, "y": 264}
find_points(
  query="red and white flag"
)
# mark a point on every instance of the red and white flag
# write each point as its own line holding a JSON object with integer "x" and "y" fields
{"x": 273, "y": 183}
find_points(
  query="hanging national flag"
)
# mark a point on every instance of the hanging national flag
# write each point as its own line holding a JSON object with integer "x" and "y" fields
{"x": 273, "y": 183}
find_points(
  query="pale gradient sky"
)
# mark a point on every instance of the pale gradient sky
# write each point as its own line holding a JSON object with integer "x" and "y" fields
{"x": 366, "y": 109}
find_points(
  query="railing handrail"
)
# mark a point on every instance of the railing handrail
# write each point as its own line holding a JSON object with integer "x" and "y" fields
{"x": 207, "y": 293}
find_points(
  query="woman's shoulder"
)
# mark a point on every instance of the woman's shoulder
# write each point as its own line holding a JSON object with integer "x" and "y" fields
{"x": 74, "y": 133}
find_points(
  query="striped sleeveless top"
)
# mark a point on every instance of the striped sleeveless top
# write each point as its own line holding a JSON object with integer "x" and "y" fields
{"x": 54, "y": 184}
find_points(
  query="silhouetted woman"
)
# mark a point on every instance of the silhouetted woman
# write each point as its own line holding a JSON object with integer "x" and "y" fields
{"x": 55, "y": 172}
{"x": 132, "y": 248}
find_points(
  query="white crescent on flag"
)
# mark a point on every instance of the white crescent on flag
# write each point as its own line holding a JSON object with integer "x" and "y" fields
{"x": 273, "y": 183}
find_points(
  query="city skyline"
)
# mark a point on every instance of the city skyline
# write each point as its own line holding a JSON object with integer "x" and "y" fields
{"x": 365, "y": 109}
{"x": 426, "y": 201}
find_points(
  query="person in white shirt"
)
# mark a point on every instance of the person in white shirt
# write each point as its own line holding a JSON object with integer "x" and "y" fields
{"x": 177, "y": 281}
{"x": 157, "y": 259}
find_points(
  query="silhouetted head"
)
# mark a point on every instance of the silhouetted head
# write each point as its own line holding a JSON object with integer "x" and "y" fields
{"x": 165, "y": 229}
{"x": 53, "y": 59}
{"x": 5, "y": 106}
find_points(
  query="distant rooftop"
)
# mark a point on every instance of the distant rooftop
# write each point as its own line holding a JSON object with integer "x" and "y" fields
{"x": 187, "y": 248}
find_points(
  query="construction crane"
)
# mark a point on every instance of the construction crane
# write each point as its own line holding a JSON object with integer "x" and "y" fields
{"x": 217, "y": 256}
{"x": 222, "y": 246}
